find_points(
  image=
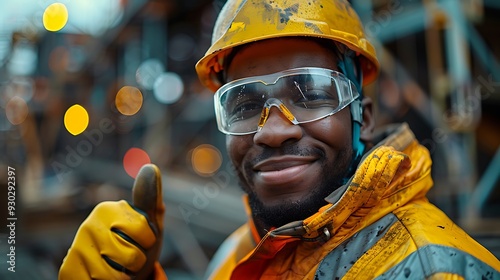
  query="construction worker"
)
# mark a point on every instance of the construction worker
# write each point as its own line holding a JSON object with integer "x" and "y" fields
{"x": 328, "y": 198}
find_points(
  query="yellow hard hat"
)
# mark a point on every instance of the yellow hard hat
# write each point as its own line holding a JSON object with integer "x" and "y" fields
{"x": 241, "y": 22}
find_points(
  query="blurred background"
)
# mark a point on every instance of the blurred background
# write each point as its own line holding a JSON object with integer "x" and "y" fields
{"x": 92, "y": 89}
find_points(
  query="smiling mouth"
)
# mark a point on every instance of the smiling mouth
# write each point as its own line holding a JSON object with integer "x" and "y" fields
{"x": 283, "y": 169}
{"x": 283, "y": 173}
{"x": 282, "y": 162}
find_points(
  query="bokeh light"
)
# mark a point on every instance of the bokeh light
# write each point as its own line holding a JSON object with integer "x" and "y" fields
{"x": 55, "y": 17}
{"x": 22, "y": 87}
{"x": 168, "y": 88}
{"x": 148, "y": 72}
{"x": 133, "y": 160}
{"x": 16, "y": 110}
{"x": 23, "y": 59}
{"x": 128, "y": 100}
{"x": 206, "y": 160}
{"x": 76, "y": 119}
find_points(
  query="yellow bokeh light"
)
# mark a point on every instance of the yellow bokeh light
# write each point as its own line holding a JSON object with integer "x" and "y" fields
{"x": 76, "y": 119}
{"x": 55, "y": 17}
{"x": 206, "y": 160}
{"x": 128, "y": 100}
{"x": 16, "y": 110}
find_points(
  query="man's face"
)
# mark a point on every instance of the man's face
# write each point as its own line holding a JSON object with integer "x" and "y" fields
{"x": 286, "y": 169}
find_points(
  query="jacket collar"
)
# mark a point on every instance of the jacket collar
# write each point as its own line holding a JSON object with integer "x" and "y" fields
{"x": 384, "y": 180}
{"x": 384, "y": 170}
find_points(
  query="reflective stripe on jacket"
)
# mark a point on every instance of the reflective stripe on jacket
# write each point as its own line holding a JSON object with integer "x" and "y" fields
{"x": 379, "y": 225}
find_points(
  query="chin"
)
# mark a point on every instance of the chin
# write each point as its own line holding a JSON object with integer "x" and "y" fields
{"x": 288, "y": 210}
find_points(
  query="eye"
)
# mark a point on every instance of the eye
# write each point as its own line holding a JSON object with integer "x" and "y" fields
{"x": 243, "y": 103}
{"x": 245, "y": 109}
{"x": 314, "y": 99}
{"x": 315, "y": 95}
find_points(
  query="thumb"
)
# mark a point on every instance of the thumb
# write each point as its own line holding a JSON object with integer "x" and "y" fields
{"x": 147, "y": 194}
{"x": 147, "y": 197}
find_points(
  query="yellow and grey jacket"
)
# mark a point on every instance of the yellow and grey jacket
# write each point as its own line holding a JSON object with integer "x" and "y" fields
{"x": 379, "y": 225}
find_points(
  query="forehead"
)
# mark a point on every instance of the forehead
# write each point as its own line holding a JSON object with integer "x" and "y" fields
{"x": 275, "y": 55}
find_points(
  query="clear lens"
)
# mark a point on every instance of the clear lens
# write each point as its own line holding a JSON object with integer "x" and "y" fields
{"x": 309, "y": 94}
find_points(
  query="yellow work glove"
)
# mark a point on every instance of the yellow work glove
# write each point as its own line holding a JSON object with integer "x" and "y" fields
{"x": 119, "y": 240}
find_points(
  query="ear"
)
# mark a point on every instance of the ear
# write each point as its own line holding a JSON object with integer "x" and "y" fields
{"x": 366, "y": 133}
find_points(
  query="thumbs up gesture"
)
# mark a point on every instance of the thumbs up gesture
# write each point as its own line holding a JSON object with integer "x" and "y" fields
{"x": 119, "y": 240}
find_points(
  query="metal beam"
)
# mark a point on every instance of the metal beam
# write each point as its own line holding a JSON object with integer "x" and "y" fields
{"x": 486, "y": 185}
{"x": 364, "y": 9}
{"x": 396, "y": 24}
{"x": 482, "y": 51}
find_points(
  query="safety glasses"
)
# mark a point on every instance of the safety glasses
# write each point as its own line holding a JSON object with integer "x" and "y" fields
{"x": 302, "y": 95}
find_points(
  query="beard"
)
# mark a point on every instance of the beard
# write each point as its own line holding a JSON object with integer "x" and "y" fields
{"x": 294, "y": 210}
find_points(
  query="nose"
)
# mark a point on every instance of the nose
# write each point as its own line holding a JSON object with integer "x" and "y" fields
{"x": 276, "y": 127}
